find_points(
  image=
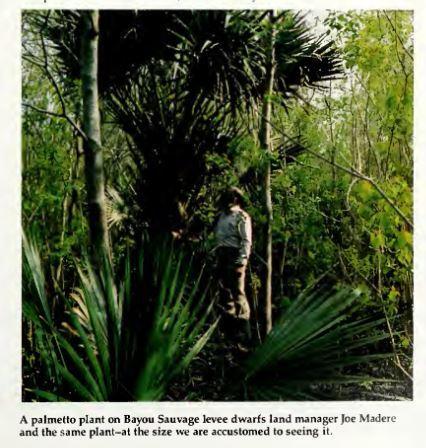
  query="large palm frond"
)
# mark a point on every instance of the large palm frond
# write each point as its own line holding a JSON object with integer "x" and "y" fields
{"x": 127, "y": 338}
{"x": 311, "y": 347}
{"x": 304, "y": 59}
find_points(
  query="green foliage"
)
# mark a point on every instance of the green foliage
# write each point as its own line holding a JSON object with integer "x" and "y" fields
{"x": 180, "y": 124}
{"x": 189, "y": 93}
{"x": 52, "y": 185}
{"x": 365, "y": 123}
{"x": 312, "y": 345}
{"x": 103, "y": 342}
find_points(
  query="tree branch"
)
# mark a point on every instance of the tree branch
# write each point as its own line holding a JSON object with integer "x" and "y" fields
{"x": 397, "y": 35}
{"x": 44, "y": 65}
{"x": 42, "y": 111}
{"x": 353, "y": 172}
{"x": 57, "y": 115}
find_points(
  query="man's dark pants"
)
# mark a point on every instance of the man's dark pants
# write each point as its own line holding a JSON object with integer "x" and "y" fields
{"x": 233, "y": 298}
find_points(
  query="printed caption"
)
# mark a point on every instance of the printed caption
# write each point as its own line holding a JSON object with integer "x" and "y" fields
{"x": 161, "y": 425}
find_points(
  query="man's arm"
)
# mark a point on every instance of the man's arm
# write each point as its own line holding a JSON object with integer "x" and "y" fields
{"x": 244, "y": 229}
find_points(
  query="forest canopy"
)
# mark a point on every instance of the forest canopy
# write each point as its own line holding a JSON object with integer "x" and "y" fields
{"x": 134, "y": 123}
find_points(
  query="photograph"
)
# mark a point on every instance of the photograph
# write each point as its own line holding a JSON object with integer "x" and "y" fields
{"x": 217, "y": 205}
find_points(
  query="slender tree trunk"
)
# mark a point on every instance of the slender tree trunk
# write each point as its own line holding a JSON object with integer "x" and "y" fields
{"x": 266, "y": 144}
{"x": 91, "y": 126}
{"x": 69, "y": 200}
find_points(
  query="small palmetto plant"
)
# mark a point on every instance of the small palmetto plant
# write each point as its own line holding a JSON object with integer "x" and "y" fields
{"x": 124, "y": 340}
{"x": 310, "y": 347}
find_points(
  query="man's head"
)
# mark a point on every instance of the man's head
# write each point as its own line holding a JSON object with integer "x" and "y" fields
{"x": 232, "y": 196}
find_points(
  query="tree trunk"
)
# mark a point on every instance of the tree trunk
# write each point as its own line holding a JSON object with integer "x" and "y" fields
{"x": 92, "y": 145}
{"x": 69, "y": 200}
{"x": 266, "y": 144}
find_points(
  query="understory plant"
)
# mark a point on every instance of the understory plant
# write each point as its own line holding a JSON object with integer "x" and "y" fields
{"x": 126, "y": 337}
{"x": 131, "y": 335}
{"x": 318, "y": 343}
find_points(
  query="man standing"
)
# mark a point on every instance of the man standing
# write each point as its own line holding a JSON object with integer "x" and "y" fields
{"x": 233, "y": 238}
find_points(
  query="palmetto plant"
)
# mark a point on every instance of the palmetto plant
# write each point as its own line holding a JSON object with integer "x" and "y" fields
{"x": 120, "y": 342}
{"x": 313, "y": 344}
{"x": 182, "y": 84}
{"x": 192, "y": 101}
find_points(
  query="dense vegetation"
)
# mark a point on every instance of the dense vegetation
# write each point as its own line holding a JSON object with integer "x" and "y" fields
{"x": 121, "y": 176}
